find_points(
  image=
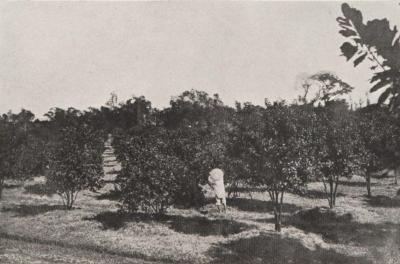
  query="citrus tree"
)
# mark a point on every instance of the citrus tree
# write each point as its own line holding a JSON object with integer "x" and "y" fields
{"x": 275, "y": 149}
{"x": 75, "y": 162}
{"x": 373, "y": 129}
{"x": 21, "y": 149}
{"x": 336, "y": 146}
{"x": 150, "y": 177}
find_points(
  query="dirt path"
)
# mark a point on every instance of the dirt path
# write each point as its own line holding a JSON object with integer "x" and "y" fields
{"x": 111, "y": 165}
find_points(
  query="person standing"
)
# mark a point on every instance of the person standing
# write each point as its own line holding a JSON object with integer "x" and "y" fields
{"x": 216, "y": 182}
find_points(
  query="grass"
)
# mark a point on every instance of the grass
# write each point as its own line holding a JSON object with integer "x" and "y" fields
{"x": 24, "y": 210}
{"x": 197, "y": 225}
{"x": 274, "y": 249}
{"x": 186, "y": 235}
{"x": 383, "y": 201}
{"x": 39, "y": 189}
{"x": 253, "y": 205}
{"x": 342, "y": 229}
{"x": 21, "y": 250}
{"x": 109, "y": 195}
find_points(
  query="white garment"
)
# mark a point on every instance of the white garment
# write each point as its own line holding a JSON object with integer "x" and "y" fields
{"x": 216, "y": 180}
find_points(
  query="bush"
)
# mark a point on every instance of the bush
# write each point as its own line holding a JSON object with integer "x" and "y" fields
{"x": 151, "y": 179}
{"x": 21, "y": 151}
{"x": 75, "y": 163}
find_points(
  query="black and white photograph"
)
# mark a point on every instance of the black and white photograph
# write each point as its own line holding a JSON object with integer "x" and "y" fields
{"x": 196, "y": 132}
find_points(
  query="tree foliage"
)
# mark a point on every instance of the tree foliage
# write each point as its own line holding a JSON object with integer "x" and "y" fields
{"x": 275, "y": 149}
{"x": 323, "y": 87}
{"x": 21, "y": 150}
{"x": 373, "y": 130}
{"x": 335, "y": 146}
{"x": 377, "y": 41}
{"x": 150, "y": 177}
{"x": 75, "y": 163}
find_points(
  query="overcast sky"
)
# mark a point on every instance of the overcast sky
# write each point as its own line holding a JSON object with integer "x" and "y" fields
{"x": 75, "y": 54}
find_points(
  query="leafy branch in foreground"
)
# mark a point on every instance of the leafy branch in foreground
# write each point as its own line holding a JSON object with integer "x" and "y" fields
{"x": 378, "y": 42}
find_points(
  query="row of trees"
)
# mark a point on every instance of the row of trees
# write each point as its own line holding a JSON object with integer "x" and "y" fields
{"x": 166, "y": 155}
{"x": 279, "y": 147}
{"x": 66, "y": 148}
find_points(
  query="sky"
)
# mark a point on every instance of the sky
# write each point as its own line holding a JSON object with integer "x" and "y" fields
{"x": 74, "y": 54}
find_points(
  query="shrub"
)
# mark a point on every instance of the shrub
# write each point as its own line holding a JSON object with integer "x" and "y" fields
{"x": 6, "y": 146}
{"x": 150, "y": 179}
{"x": 75, "y": 163}
{"x": 21, "y": 151}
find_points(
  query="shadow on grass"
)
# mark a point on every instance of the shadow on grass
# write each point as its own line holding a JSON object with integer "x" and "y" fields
{"x": 82, "y": 246}
{"x": 187, "y": 225}
{"x": 383, "y": 201}
{"x": 112, "y": 195}
{"x": 245, "y": 189}
{"x": 12, "y": 185}
{"x": 113, "y": 172}
{"x": 110, "y": 161}
{"x": 254, "y": 205}
{"x": 24, "y": 210}
{"x": 316, "y": 194}
{"x": 39, "y": 189}
{"x": 342, "y": 229}
{"x": 355, "y": 183}
{"x": 272, "y": 248}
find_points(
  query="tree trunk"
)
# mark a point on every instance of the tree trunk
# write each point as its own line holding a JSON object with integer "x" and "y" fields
{"x": 330, "y": 189}
{"x": 278, "y": 211}
{"x": 336, "y": 183}
{"x": 68, "y": 199}
{"x": 332, "y": 194}
{"x": 368, "y": 178}
{"x": 1, "y": 186}
{"x": 277, "y": 223}
{"x": 274, "y": 195}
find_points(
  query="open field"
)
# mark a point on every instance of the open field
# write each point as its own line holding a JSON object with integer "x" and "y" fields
{"x": 34, "y": 229}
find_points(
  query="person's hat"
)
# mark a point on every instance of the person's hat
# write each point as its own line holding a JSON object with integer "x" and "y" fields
{"x": 216, "y": 175}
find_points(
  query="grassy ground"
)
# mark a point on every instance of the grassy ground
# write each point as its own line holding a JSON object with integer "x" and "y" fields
{"x": 21, "y": 250}
{"x": 34, "y": 228}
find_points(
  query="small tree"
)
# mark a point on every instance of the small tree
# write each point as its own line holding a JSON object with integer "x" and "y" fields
{"x": 335, "y": 146}
{"x": 275, "y": 152}
{"x": 150, "y": 178}
{"x": 6, "y": 146}
{"x": 247, "y": 118}
{"x": 372, "y": 129}
{"x": 20, "y": 149}
{"x": 391, "y": 154}
{"x": 75, "y": 163}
